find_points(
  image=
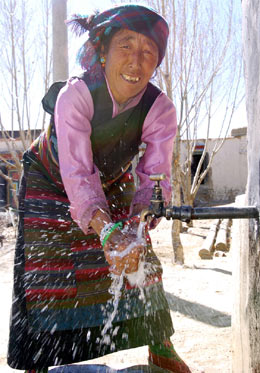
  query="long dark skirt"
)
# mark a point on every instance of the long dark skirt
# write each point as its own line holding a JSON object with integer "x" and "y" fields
{"x": 61, "y": 295}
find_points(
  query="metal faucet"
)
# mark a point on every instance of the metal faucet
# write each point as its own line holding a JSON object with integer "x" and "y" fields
{"x": 157, "y": 202}
{"x": 157, "y": 208}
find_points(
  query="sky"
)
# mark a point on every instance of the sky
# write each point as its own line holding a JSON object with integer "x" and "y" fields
{"x": 84, "y": 6}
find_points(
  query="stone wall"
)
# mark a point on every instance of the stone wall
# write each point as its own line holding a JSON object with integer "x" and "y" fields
{"x": 246, "y": 313}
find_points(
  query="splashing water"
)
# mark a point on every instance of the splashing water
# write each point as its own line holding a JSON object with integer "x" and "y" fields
{"x": 138, "y": 278}
{"x": 115, "y": 290}
{"x": 135, "y": 279}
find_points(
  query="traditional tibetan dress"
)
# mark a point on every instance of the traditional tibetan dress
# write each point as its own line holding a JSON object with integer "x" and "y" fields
{"x": 61, "y": 297}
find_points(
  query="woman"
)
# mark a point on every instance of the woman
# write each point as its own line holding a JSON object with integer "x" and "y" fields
{"x": 76, "y": 195}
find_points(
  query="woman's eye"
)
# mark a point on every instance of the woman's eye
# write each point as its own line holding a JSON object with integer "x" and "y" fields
{"x": 125, "y": 46}
{"x": 147, "y": 51}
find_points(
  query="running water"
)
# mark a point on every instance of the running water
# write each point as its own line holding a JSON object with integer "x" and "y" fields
{"x": 138, "y": 278}
{"x": 115, "y": 290}
{"x": 135, "y": 279}
{"x": 140, "y": 230}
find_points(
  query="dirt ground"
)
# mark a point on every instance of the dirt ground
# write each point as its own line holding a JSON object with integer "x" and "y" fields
{"x": 199, "y": 295}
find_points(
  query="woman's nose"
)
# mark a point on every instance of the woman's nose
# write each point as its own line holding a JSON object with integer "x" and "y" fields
{"x": 136, "y": 59}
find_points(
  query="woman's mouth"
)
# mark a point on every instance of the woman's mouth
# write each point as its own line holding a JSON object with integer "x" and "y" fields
{"x": 130, "y": 79}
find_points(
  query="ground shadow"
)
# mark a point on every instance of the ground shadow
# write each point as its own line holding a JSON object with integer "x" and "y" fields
{"x": 97, "y": 368}
{"x": 198, "y": 312}
{"x": 196, "y": 234}
{"x": 215, "y": 269}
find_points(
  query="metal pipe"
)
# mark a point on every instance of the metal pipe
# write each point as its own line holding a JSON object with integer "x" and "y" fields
{"x": 186, "y": 213}
{"x": 225, "y": 212}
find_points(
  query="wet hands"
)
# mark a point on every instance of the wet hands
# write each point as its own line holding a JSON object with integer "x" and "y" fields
{"x": 123, "y": 248}
{"x": 123, "y": 251}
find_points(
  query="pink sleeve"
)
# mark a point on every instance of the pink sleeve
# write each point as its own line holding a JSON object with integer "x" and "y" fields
{"x": 159, "y": 130}
{"x": 73, "y": 112}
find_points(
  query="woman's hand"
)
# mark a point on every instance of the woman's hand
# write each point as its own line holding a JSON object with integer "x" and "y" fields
{"x": 123, "y": 251}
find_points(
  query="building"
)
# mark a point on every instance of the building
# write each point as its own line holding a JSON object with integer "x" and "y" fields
{"x": 227, "y": 176}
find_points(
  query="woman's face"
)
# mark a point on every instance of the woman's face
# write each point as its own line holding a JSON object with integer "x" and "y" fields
{"x": 130, "y": 63}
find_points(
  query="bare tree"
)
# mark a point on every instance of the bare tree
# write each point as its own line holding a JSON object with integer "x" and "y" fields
{"x": 205, "y": 68}
{"x": 201, "y": 73}
{"x": 25, "y": 74}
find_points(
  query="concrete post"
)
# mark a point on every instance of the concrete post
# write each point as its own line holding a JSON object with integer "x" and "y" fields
{"x": 246, "y": 315}
{"x": 60, "y": 40}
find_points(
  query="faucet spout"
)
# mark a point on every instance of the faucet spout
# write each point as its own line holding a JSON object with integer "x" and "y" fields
{"x": 144, "y": 214}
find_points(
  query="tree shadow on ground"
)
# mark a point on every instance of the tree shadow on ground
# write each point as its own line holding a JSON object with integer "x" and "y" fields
{"x": 225, "y": 272}
{"x": 198, "y": 312}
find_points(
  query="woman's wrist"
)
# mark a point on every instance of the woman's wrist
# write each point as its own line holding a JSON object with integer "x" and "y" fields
{"x": 109, "y": 230}
{"x": 99, "y": 220}
{"x": 105, "y": 230}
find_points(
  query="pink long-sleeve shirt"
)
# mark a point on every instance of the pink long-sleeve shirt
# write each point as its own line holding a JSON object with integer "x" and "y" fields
{"x": 73, "y": 113}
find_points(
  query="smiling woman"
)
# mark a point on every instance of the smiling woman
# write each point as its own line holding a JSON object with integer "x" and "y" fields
{"x": 79, "y": 210}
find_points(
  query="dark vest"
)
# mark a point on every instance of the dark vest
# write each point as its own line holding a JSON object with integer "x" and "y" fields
{"x": 115, "y": 141}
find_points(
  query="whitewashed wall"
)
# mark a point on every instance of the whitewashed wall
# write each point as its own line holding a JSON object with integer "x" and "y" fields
{"x": 227, "y": 176}
{"x": 15, "y": 145}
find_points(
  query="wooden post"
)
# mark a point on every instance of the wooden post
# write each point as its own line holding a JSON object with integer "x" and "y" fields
{"x": 60, "y": 40}
{"x": 206, "y": 252}
{"x": 246, "y": 313}
{"x": 222, "y": 236}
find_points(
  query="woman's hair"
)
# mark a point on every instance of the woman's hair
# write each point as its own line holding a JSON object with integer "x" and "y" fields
{"x": 106, "y": 39}
{"x": 89, "y": 54}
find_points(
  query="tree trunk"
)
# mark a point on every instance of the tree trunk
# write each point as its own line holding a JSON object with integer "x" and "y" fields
{"x": 178, "y": 254}
{"x": 60, "y": 40}
{"x": 178, "y": 257}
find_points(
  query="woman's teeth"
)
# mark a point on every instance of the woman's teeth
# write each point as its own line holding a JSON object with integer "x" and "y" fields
{"x": 130, "y": 78}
